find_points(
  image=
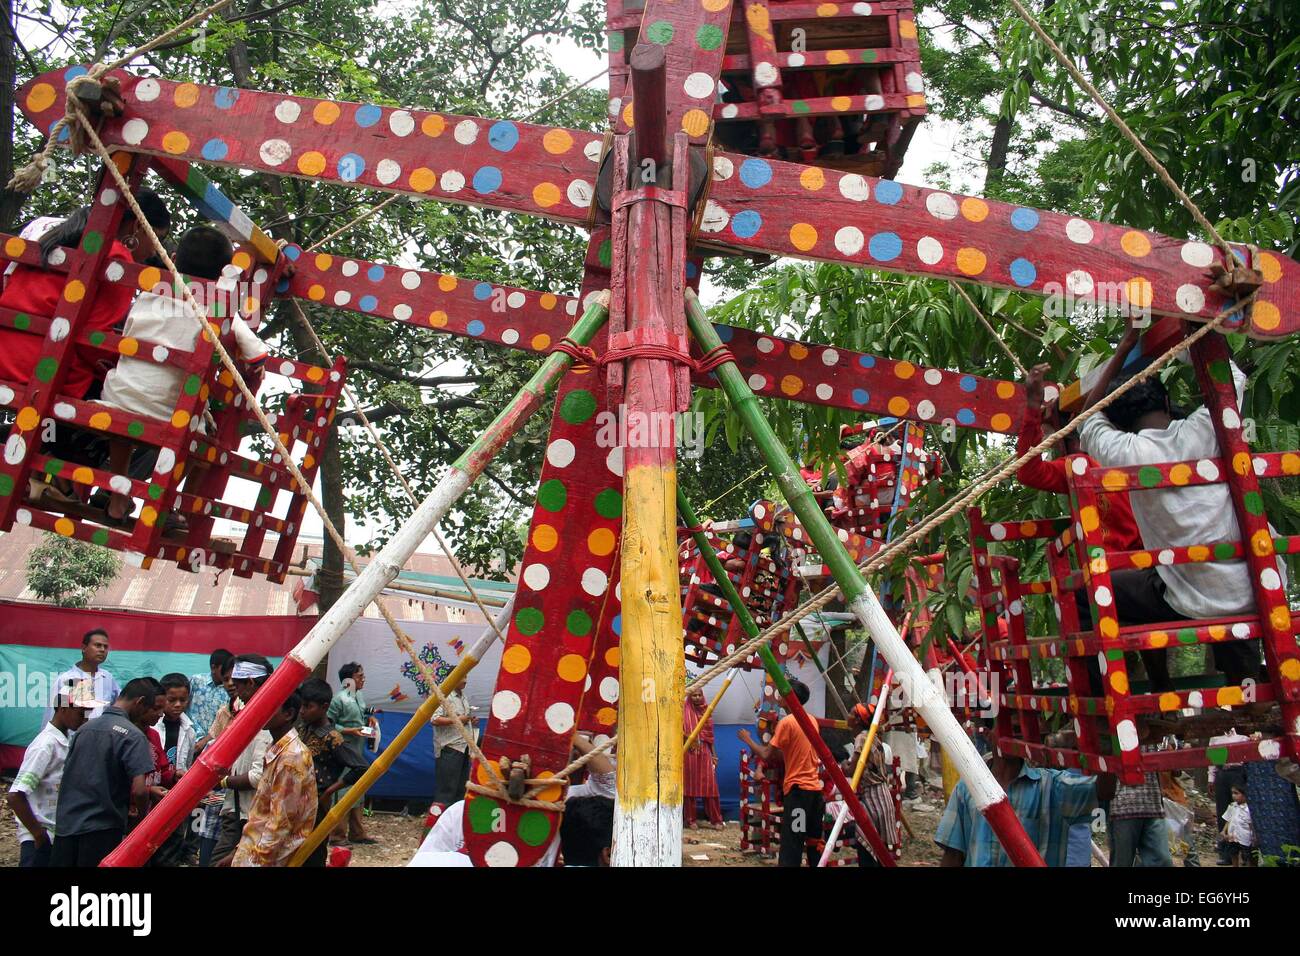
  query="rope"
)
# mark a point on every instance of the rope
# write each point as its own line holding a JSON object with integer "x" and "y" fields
{"x": 397, "y": 472}
{"x": 1124, "y": 128}
{"x": 30, "y": 176}
{"x": 967, "y": 495}
{"x": 587, "y": 357}
{"x": 1020, "y": 366}
{"x": 360, "y": 219}
{"x": 748, "y": 478}
{"x": 403, "y": 639}
{"x": 565, "y": 95}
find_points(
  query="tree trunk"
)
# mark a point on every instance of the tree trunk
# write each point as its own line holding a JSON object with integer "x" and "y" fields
{"x": 835, "y": 672}
{"x": 10, "y": 202}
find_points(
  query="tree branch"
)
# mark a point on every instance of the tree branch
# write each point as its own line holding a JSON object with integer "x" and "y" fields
{"x": 394, "y": 374}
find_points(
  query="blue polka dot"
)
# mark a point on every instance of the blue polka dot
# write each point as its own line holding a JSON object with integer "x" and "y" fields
{"x": 292, "y": 252}
{"x": 73, "y": 72}
{"x": 350, "y": 167}
{"x": 215, "y": 150}
{"x": 616, "y": 625}
{"x": 885, "y": 246}
{"x": 368, "y": 115}
{"x": 475, "y": 327}
{"x": 1239, "y": 255}
{"x": 482, "y": 291}
{"x": 225, "y": 98}
{"x": 965, "y": 416}
{"x": 867, "y": 361}
{"x": 64, "y": 134}
{"x": 367, "y": 303}
{"x": 375, "y": 273}
{"x": 503, "y": 136}
{"x": 1024, "y": 219}
{"x": 888, "y": 192}
{"x": 968, "y": 383}
{"x": 1023, "y": 272}
{"x": 725, "y": 332}
{"x": 691, "y": 269}
{"x": 487, "y": 180}
{"x": 746, "y": 224}
{"x": 282, "y": 285}
{"x": 861, "y": 396}
{"x": 755, "y": 173}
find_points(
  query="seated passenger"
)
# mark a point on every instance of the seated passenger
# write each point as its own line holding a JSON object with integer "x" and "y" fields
{"x": 145, "y": 387}
{"x": 1140, "y": 429}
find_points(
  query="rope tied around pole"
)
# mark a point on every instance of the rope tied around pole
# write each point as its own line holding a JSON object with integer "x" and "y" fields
{"x": 586, "y": 357}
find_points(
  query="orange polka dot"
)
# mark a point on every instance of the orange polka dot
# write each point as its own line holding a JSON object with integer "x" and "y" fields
{"x": 606, "y": 716}
{"x": 971, "y": 261}
{"x": 546, "y": 195}
{"x": 976, "y": 210}
{"x": 28, "y": 419}
{"x": 627, "y": 115}
{"x": 149, "y": 515}
{"x": 798, "y": 351}
{"x": 100, "y": 420}
{"x": 1280, "y": 618}
{"x": 898, "y": 406}
{"x": 150, "y": 277}
{"x": 812, "y": 178}
{"x": 601, "y": 541}
{"x": 433, "y": 125}
{"x": 1135, "y": 243}
{"x": 1028, "y": 528}
{"x": 1114, "y": 481}
{"x": 904, "y": 370}
{"x": 1169, "y": 701}
{"x": 128, "y": 346}
{"x": 1089, "y": 518}
{"x": 1119, "y": 682}
{"x": 180, "y": 418}
{"x": 545, "y": 538}
{"x": 1005, "y": 389}
{"x": 41, "y": 97}
{"x": 74, "y": 291}
{"x": 186, "y": 95}
{"x": 516, "y": 659}
{"x": 438, "y": 318}
{"x": 241, "y": 260}
{"x": 1265, "y": 316}
{"x": 1241, "y": 463}
{"x": 1001, "y": 422}
{"x": 316, "y": 292}
{"x": 907, "y": 29}
{"x": 841, "y": 103}
{"x": 1290, "y": 668}
{"x": 1109, "y": 627}
{"x": 326, "y": 112}
{"x": 827, "y": 9}
{"x": 15, "y": 247}
{"x": 1139, "y": 292}
{"x": 1270, "y": 266}
{"x": 422, "y": 179}
{"x": 1198, "y": 552}
{"x": 83, "y": 475}
{"x": 613, "y": 657}
{"x": 557, "y": 141}
{"x": 916, "y": 99}
{"x": 1180, "y": 474}
{"x": 65, "y": 527}
{"x": 311, "y": 163}
{"x": 176, "y": 142}
{"x": 791, "y": 384}
{"x": 1229, "y": 696}
{"x": 541, "y": 342}
{"x": 836, "y": 57}
{"x": 803, "y": 236}
{"x": 446, "y": 283}
{"x": 695, "y": 122}
{"x": 550, "y": 793}
{"x": 1291, "y": 464}
{"x": 571, "y": 667}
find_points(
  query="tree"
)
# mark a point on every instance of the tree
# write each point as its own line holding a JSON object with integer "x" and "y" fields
{"x": 68, "y": 572}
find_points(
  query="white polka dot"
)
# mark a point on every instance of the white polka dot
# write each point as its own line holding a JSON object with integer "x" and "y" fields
{"x": 609, "y": 689}
{"x": 410, "y": 280}
{"x": 559, "y": 717}
{"x": 614, "y": 461}
{"x": 941, "y": 206}
{"x": 592, "y": 150}
{"x": 830, "y": 357}
{"x": 59, "y": 329}
{"x": 274, "y": 152}
{"x": 1051, "y": 393}
{"x": 595, "y": 582}
{"x": 1207, "y": 469}
{"x": 715, "y": 217}
{"x": 15, "y": 449}
{"x": 287, "y": 111}
{"x": 506, "y": 704}
{"x": 466, "y": 132}
{"x": 757, "y": 382}
{"x": 1231, "y": 419}
{"x": 1270, "y": 749}
{"x": 108, "y": 197}
{"x": 873, "y": 102}
{"x": 516, "y": 300}
{"x": 537, "y": 576}
{"x": 1016, "y": 608}
{"x": 571, "y": 307}
{"x": 1103, "y": 597}
{"x": 1079, "y": 465}
{"x": 615, "y": 104}
{"x": 401, "y": 123}
{"x": 730, "y": 111}
{"x": 765, "y": 345}
{"x": 765, "y": 74}
{"x": 121, "y": 484}
{"x": 342, "y": 297}
{"x": 1190, "y": 298}
{"x": 1241, "y": 630}
{"x": 1077, "y": 230}
{"x": 929, "y": 250}
{"x": 854, "y": 187}
{"x": 1197, "y": 254}
{"x": 402, "y": 312}
{"x": 1194, "y": 699}
{"x": 452, "y": 181}
{"x": 998, "y": 531}
{"x": 166, "y": 461}
{"x": 350, "y": 268}
{"x": 61, "y": 409}
{"x": 1166, "y": 557}
{"x": 824, "y": 392}
{"x": 862, "y": 9}
{"x": 849, "y": 240}
{"x": 560, "y": 454}
{"x": 580, "y": 193}
{"x": 146, "y": 91}
{"x": 134, "y": 131}
{"x": 796, "y": 60}
{"x": 1128, "y": 735}
{"x": 1270, "y": 579}
{"x": 933, "y": 376}
{"x": 925, "y": 409}
{"x": 914, "y": 82}
{"x": 723, "y": 169}
{"x": 699, "y": 86}
{"x": 1079, "y": 282}
{"x": 387, "y": 171}
{"x": 510, "y": 336}
{"x": 24, "y": 517}
{"x": 59, "y": 255}
{"x": 501, "y": 854}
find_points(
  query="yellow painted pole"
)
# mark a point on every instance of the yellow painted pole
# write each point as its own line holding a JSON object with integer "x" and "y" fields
{"x": 380, "y": 766}
{"x": 708, "y": 711}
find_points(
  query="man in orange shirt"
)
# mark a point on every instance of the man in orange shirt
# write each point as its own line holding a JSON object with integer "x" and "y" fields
{"x": 803, "y": 804}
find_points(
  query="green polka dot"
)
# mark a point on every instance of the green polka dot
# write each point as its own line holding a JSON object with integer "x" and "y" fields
{"x": 1223, "y": 550}
{"x": 615, "y": 41}
{"x": 1217, "y": 755}
{"x": 483, "y": 814}
{"x": 1114, "y": 654}
{"x": 529, "y": 621}
{"x": 192, "y": 385}
{"x": 1220, "y": 372}
{"x": 1187, "y": 635}
{"x": 981, "y": 542}
{"x": 264, "y": 498}
{"x": 708, "y": 37}
{"x": 1084, "y": 761}
{"x": 1253, "y": 503}
{"x": 22, "y": 321}
{"x": 552, "y": 495}
{"x": 534, "y": 827}
{"x": 799, "y": 106}
{"x": 46, "y": 368}
{"x": 97, "y": 338}
{"x": 6, "y": 485}
{"x": 1148, "y": 476}
{"x": 1283, "y": 545}
{"x": 661, "y": 32}
{"x": 605, "y": 254}
{"x": 135, "y": 429}
{"x": 92, "y": 242}
{"x": 609, "y": 503}
{"x": 578, "y": 623}
{"x": 100, "y": 537}
{"x": 53, "y": 466}
{"x": 868, "y": 56}
{"x": 578, "y": 406}
{"x": 155, "y": 491}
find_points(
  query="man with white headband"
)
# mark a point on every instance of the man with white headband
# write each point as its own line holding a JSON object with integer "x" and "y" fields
{"x": 250, "y": 672}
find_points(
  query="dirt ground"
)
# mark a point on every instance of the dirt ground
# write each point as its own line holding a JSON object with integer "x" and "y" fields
{"x": 399, "y": 835}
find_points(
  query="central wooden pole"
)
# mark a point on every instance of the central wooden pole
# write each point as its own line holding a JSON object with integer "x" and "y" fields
{"x": 651, "y": 246}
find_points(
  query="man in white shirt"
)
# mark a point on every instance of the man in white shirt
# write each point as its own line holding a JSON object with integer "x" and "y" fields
{"x": 94, "y": 651}
{"x": 1140, "y": 429}
{"x": 35, "y": 791}
{"x": 250, "y": 672}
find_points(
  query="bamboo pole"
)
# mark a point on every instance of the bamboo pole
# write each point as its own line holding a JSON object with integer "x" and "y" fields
{"x": 843, "y": 816}
{"x": 419, "y": 719}
{"x": 708, "y": 711}
{"x": 928, "y": 699}
{"x": 367, "y": 587}
{"x": 773, "y": 668}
